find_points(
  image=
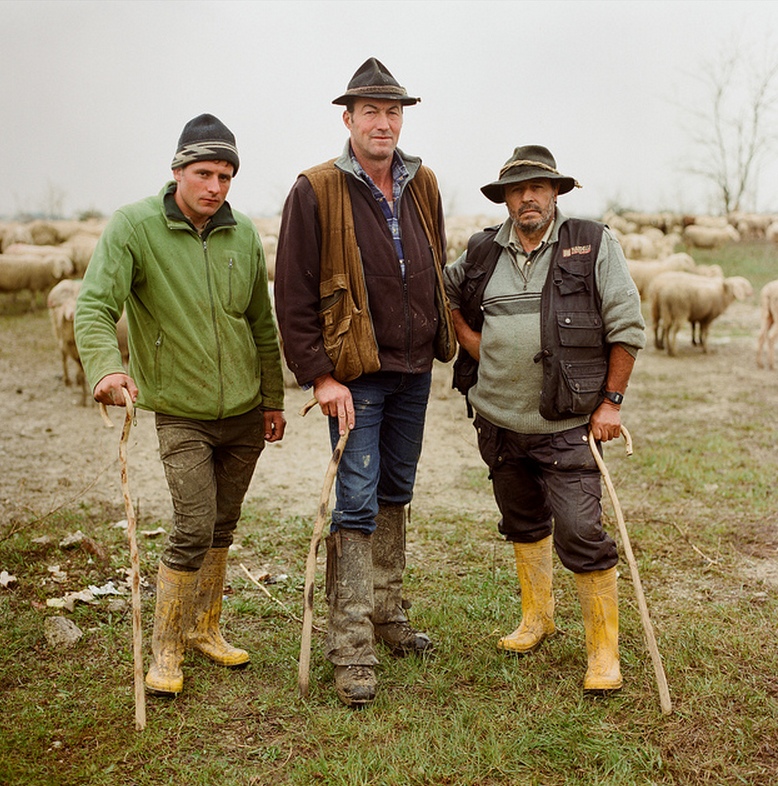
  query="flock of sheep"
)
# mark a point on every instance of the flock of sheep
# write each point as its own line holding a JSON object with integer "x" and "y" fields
{"x": 50, "y": 257}
{"x": 679, "y": 291}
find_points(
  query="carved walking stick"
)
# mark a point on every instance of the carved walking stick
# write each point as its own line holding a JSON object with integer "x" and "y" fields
{"x": 137, "y": 640}
{"x": 648, "y": 629}
{"x": 303, "y": 672}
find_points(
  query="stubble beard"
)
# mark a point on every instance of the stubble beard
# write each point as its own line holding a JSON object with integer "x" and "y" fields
{"x": 530, "y": 226}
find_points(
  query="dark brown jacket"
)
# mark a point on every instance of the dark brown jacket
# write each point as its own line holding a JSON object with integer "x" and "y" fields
{"x": 403, "y": 314}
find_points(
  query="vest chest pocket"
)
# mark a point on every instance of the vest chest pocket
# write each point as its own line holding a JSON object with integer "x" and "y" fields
{"x": 579, "y": 329}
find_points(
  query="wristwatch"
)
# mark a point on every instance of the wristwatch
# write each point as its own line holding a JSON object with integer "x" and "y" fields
{"x": 613, "y": 396}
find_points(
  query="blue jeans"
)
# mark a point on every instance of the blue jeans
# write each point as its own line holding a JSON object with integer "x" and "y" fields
{"x": 378, "y": 466}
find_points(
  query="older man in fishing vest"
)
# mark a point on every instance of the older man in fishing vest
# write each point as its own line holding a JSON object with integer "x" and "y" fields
{"x": 549, "y": 324}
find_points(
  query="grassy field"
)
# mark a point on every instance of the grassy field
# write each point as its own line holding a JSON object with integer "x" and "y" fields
{"x": 699, "y": 499}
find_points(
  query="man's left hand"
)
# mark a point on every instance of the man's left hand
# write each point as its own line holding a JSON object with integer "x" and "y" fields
{"x": 275, "y": 423}
{"x": 605, "y": 422}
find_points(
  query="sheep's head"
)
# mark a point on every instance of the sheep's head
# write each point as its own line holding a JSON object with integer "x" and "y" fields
{"x": 739, "y": 287}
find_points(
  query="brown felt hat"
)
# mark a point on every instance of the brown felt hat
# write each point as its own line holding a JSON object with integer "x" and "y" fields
{"x": 374, "y": 80}
{"x": 529, "y": 162}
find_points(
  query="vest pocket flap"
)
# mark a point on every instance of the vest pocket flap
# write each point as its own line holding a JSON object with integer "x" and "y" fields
{"x": 333, "y": 304}
{"x": 579, "y": 329}
{"x": 571, "y": 276}
{"x": 584, "y": 376}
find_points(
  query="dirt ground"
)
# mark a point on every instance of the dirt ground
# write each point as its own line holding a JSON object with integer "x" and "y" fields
{"x": 56, "y": 454}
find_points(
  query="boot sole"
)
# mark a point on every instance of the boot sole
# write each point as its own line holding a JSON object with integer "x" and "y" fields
{"x": 398, "y": 651}
{"x": 602, "y": 691}
{"x": 163, "y": 693}
{"x": 239, "y": 665}
{"x": 355, "y": 704}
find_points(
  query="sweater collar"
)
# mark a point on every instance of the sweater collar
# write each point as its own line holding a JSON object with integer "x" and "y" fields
{"x": 223, "y": 217}
{"x": 343, "y": 162}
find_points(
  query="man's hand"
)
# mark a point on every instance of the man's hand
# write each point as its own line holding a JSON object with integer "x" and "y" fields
{"x": 108, "y": 390}
{"x": 605, "y": 421}
{"x": 275, "y": 425}
{"x": 335, "y": 401}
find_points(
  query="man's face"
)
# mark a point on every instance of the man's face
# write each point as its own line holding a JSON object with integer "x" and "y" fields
{"x": 531, "y": 204}
{"x": 202, "y": 189}
{"x": 375, "y": 126}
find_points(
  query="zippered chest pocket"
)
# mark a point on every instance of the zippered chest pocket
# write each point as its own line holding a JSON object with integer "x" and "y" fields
{"x": 233, "y": 277}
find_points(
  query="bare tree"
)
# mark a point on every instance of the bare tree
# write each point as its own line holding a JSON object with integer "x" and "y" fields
{"x": 735, "y": 130}
{"x": 53, "y": 202}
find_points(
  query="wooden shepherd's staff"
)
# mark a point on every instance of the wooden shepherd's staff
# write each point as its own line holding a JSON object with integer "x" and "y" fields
{"x": 648, "y": 629}
{"x": 303, "y": 672}
{"x": 137, "y": 635}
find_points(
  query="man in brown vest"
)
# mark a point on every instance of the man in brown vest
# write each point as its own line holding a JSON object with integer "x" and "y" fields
{"x": 362, "y": 314}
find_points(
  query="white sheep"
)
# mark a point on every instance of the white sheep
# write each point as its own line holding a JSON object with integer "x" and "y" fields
{"x": 768, "y": 305}
{"x": 752, "y": 226}
{"x": 701, "y": 236}
{"x": 33, "y": 272}
{"x": 637, "y": 245}
{"x": 48, "y": 251}
{"x": 61, "y": 302}
{"x": 644, "y": 271}
{"x": 80, "y": 246}
{"x": 679, "y": 297}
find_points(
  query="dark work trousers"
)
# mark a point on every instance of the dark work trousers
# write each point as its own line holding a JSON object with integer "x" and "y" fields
{"x": 208, "y": 465}
{"x": 549, "y": 484}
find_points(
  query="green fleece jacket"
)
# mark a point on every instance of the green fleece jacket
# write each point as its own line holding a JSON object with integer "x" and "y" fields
{"x": 202, "y": 336}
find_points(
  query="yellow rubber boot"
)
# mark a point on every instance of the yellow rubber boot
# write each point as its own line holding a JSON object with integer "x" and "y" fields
{"x": 168, "y": 642}
{"x": 534, "y": 568}
{"x": 204, "y": 635}
{"x": 600, "y": 606}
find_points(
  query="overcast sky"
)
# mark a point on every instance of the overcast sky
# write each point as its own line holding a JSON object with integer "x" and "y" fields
{"x": 95, "y": 94}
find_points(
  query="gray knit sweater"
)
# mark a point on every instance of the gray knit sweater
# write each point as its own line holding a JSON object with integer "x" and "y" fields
{"x": 509, "y": 381}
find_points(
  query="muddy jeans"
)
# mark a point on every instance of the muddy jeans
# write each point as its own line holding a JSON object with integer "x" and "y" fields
{"x": 543, "y": 478}
{"x": 208, "y": 466}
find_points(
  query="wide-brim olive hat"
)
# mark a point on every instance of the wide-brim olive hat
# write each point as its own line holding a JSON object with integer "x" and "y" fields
{"x": 373, "y": 80}
{"x": 528, "y": 162}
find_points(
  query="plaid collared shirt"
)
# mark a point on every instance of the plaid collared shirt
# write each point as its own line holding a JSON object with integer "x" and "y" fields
{"x": 391, "y": 212}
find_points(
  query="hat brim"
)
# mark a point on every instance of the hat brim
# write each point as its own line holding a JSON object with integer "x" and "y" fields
{"x": 495, "y": 192}
{"x": 404, "y": 100}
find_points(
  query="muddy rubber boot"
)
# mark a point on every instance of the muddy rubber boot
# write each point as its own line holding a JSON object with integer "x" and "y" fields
{"x": 534, "y": 568}
{"x": 349, "y": 641}
{"x": 168, "y": 642}
{"x": 390, "y": 622}
{"x": 205, "y": 635}
{"x": 600, "y": 606}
